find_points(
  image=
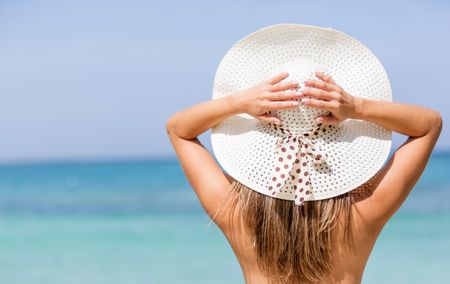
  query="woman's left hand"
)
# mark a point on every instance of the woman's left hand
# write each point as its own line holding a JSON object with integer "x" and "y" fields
{"x": 328, "y": 95}
{"x": 270, "y": 94}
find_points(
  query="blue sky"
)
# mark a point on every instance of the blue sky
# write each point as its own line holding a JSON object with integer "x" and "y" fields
{"x": 98, "y": 79}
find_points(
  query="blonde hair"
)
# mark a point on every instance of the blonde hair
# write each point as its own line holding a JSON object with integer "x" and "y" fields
{"x": 293, "y": 243}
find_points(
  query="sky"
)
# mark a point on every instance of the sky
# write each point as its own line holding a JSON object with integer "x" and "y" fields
{"x": 89, "y": 80}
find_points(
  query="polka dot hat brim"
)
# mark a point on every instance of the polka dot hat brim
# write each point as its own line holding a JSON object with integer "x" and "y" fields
{"x": 301, "y": 160}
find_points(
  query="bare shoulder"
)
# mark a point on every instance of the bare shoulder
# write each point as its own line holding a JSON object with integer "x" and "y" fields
{"x": 381, "y": 196}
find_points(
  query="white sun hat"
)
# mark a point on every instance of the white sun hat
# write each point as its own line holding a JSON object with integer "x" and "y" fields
{"x": 301, "y": 159}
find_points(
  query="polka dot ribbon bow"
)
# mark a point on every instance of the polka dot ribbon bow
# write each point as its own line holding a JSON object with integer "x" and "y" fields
{"x": 293, "y": 153}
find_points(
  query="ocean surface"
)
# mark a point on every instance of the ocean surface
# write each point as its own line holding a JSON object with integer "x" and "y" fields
{"x": 140, "y": 222}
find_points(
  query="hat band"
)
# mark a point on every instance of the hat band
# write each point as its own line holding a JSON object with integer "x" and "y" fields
{"x": 293, "y": 154}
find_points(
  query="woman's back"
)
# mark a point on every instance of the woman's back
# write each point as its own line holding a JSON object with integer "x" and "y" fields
{"x": 347, "y": 267}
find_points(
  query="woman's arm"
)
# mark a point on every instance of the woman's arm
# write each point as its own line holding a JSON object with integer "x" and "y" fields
{"x": 193, "y": 121}
{"x": 268, "y": 95}
{"x": 397, "y": 178}
{"x": 400, "y": 174}
{"x": 409, "y": 120}
{"x": 203, "y": 173}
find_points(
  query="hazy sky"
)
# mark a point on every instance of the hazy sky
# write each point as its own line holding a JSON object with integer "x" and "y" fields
{"x": 98, "y": 79}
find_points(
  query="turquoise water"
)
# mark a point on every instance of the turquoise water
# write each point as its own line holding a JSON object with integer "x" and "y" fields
{"x": 139, "y": 222}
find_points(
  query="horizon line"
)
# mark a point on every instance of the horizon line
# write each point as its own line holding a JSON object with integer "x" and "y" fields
{"x": 122, "y": 160}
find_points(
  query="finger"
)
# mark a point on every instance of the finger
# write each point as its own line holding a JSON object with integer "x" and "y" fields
{"x": 319, "y": 94}
{"x": 325, "y": 77}
{"x": 322, "y": 85}
{"x": 325, "y": 105}
{"x": 269, "y": 118}
{"x": 329, "y": 120}
{"x": 285, "y": 86}
{"x": 282, "y": 104}
{"x": 284, "y": 95}
{"x": 277, "y": 78}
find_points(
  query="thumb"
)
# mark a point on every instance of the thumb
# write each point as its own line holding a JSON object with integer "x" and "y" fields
{"x": 269, "y": 118}
{"x": 331, "y": 120}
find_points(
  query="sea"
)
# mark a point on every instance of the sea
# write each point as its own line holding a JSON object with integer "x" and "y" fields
{"x": 140, "y": 222}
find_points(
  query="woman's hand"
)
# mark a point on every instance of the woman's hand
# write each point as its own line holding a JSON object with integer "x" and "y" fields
{"x": 328, "y": 95}
{"x": 268, "y": 95}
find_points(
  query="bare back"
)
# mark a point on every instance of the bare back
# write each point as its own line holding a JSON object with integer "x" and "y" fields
{"x": 348, "y": 268}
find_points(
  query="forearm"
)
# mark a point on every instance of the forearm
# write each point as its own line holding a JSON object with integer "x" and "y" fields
{"x": 406, "y": 119}
{"x": 193, "y": 121}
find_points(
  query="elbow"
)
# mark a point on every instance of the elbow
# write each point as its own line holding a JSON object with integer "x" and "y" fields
{"x": 437, "y": 122}
{"x": 170, "y": 125}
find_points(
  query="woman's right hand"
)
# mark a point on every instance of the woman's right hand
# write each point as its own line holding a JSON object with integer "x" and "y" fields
{"x": 271, "y": 94}
{"x": 326, "y": 94}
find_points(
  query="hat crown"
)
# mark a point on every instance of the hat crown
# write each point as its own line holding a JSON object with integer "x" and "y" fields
{"x": 258, "y": 156}
{"x": 299, "y": 119}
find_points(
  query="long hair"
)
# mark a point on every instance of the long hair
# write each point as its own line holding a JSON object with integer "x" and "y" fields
{"x": 293, "y": 244}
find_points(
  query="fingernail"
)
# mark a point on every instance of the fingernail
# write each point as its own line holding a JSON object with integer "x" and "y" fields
{"x": 319, "y": 119}
{"x": 305, "y": 100}
{"x": 295, "y": 103}
{"x": 298, "y": 93}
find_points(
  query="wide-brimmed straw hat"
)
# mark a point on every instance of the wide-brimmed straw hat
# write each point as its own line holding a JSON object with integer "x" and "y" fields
{"x": 301, "y": 159}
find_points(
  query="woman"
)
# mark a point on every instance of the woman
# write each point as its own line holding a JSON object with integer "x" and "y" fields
{"x": 331, "y": 239}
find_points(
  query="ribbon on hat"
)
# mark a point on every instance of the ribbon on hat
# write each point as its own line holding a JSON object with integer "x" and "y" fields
{"x": 293, "y": 154}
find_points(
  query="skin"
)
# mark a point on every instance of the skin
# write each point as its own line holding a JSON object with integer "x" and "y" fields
{"x": 376, "y": 201}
